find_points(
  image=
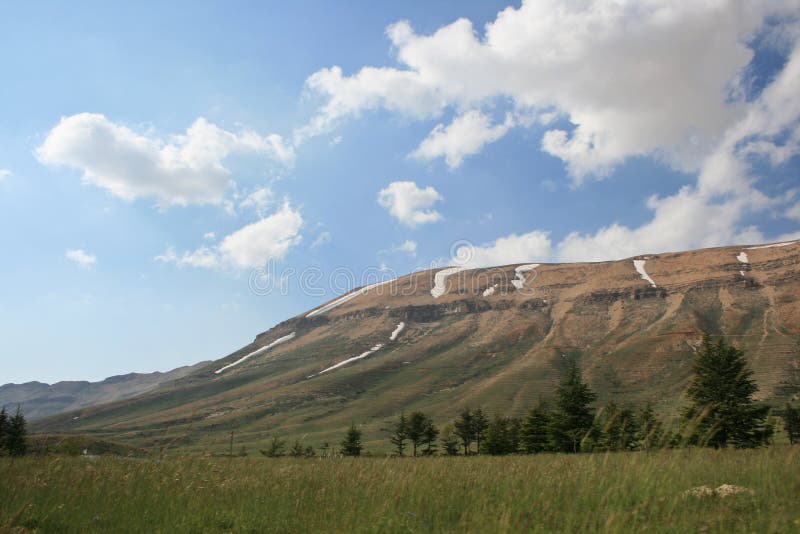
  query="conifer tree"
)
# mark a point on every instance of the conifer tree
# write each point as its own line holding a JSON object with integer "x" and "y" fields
{"x": 449, "y": 440}
{"x": 429, "y": 436}
{"x": 650, "y": 432}
{"x": 351, "y": 444}
{"x": 275, "y": 449}
{"x": 297, "y": 450}
{"x": 3, "y": 431}
{"x": 573, "y": 417}
{"x": 464, "y": 429}
{"x": 616, "y": 429}
{"x": 723, "y": 411}
{"x": 791, "y": 423}
{"x": 417, "y": 423}
{"x": 502, "y": 436}
{"x": 400, "y": 435}
{"x": 534, "y": 433}
{"x": 16, "y": 435}
{"x": 480, "y": 423}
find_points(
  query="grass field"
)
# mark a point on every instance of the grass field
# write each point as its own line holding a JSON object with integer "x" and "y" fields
{"x": 624, "y": 492}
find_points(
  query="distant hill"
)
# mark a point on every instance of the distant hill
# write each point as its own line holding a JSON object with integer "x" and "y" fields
{"x": 39, "y": 400}
{"x": 497, "y": 338}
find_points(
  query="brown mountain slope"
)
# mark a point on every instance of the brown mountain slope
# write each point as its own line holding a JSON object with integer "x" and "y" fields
{"x": 484, "y": 341}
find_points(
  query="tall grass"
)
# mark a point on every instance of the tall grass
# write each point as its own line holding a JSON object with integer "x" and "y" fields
{"x": 622, "y": 492}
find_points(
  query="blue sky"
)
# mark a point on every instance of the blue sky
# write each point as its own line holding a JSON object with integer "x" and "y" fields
{"x": 157, "y": 159}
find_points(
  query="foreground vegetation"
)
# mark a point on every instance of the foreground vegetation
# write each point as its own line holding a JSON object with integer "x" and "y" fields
{"x": 608, "y": 492}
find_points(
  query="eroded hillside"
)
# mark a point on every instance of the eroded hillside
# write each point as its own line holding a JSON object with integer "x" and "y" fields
{"x": 495, "y": 337}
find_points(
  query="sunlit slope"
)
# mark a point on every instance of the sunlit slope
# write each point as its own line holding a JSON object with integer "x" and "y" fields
{"x": 502, "y": 349}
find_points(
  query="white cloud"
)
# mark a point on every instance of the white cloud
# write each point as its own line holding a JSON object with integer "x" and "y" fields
{"x": 711, "y": 212}
{"x": 81, "y": 257}
{"x": 467, "y": 134}
{"x": 634, "y": 78}
{"x": 5, "y": 173}
{"x": 410, "y": 204}
{"x": 408, "y": 246}
{"x": 184, "y": 169}
{"x": 253, "y": 245}
{"x": 260, "y": 200}
{"x": 202, "y": 257}
{"x": 210, "y": 236}
{"x": 531, "y": 247}
{"x": 322, "y": 239}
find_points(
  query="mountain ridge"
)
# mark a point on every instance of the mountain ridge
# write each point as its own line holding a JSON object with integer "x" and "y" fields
{"x": 463, "y": 345}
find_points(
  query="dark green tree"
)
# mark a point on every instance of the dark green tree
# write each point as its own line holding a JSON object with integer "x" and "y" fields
{"x": 351, "y": 444}
{"x": 417, "y": 422}
{"x": 723, "y": 411}
{"x": 429, "y": 436}
{"x": 449, "y": 440}
{"x": 400, "y": 435}
{"x": 650, "y": 431}
{"x": 573, "y": 418}
{"x": 480, "y": 423}
{"x": 297, "y": 450}
{"x": 502, "y": 436}
{"x": 276, "y": 448}
{"x": 790, "y": 385}
{"x": 616, "y": 429}
{"x": 3, "y": 431}
{"x": 16, "y": 435}
{"x": 791, "y": 423}
{"x": 535, "y": 430}
{"x": 464, "y": 429}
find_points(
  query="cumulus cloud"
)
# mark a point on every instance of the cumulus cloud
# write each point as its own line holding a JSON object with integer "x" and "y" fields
{"x": 81, "y": 257}
{"x": 253, "y": 245}
{"x": 633, "y": 78}
{"x": 711, "y": 212}
{"x": 531, "y": 247}
{"x": 4, "y": 173}
{"x": 467, "y": 134}
{"x": 182, "y": 169}
{"x": 260, "y": 200}
{"x": 410, "y": 204}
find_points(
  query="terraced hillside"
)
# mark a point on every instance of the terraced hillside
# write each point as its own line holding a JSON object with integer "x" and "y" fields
{"x": 445, "y": 339}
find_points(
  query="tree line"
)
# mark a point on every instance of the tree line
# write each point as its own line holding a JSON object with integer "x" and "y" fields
{"x": 722, "y": 412}
{"x": 13, "y": 434}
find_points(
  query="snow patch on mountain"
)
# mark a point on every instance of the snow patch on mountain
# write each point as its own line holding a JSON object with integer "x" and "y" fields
{"x": 257, "y": 352}
{"x": 363, "y": 355}
{"x": 440, "y": 280}
{"x": 774, "y": 245}
{"x": 397, "y": 331}
{"x": 341, "y": 300}
{"x": 743, "y": 259}
{"x": 519, "y": 281}
{"x": 639, "y": 266}
{"x": 489, "y": 290}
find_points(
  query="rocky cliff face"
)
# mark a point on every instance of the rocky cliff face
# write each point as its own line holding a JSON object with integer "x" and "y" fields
{"x": 495, "y": 337}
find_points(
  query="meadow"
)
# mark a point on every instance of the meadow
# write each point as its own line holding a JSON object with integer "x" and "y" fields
{"x": 612, "y": 492}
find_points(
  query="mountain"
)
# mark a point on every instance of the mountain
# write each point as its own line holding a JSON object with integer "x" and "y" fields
{"x": 498, "y": 338}
{"x": 38, "y": 400}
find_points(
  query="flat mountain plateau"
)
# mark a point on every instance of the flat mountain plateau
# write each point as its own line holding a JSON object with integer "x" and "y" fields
{"x": 497, "y": 338}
